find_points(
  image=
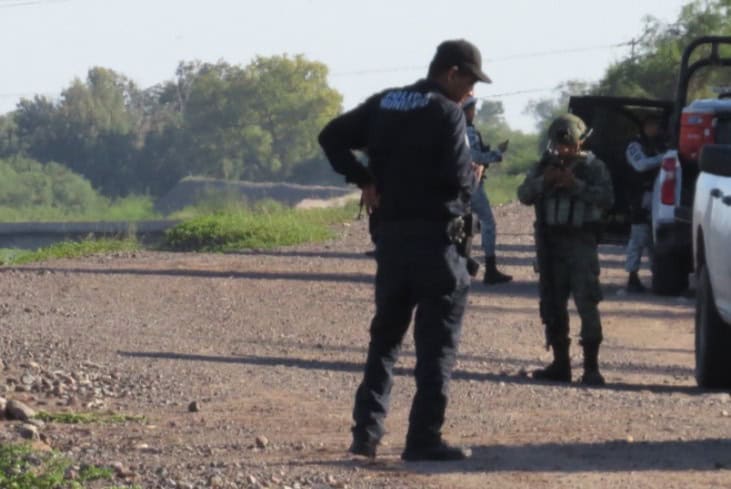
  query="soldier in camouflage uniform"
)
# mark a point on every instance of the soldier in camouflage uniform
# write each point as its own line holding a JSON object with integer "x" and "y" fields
{"x": 569, "y": 189}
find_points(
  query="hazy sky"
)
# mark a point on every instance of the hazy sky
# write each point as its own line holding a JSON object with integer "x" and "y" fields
{"x": 368, "y": 45}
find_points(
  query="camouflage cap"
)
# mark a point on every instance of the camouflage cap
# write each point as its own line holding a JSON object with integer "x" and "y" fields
{"x": 567, "y": 129}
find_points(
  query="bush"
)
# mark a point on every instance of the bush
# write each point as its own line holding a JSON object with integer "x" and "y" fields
{"x": 67, "y": 249}
{"x": 266, "y": 225}
{"x": 31, "y": 191}
{"x": 22, "y": 468}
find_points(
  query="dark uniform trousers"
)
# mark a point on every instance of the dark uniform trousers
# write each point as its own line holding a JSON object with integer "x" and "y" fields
{"x": 418, "y": 269}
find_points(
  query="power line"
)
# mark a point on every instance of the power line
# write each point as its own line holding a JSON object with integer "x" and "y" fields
{"x": 516, "y": 92}
{"x": 512, "y": 57}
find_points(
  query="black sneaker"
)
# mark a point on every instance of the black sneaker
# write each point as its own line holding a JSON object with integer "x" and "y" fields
{"x": 493, "y": 277}
{"x": 364, "y": 448}
{"x": 441, "y": 452}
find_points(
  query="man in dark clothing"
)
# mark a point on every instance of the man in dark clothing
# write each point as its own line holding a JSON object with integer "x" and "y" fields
{"x": 644, "y": 154}
{"x": 420, "y": 180}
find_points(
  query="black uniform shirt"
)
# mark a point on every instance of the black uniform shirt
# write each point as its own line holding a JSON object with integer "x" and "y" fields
{"x": 418, "y": 152}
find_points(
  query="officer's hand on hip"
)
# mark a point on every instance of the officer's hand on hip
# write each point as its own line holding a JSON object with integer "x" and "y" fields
{"x": 370, "y": 197}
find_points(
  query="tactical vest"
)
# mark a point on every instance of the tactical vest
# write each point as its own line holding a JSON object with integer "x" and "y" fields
{"x": 641, "y": 182}
{"x": 561, "y": 209}
{"x": 644, "y": 180}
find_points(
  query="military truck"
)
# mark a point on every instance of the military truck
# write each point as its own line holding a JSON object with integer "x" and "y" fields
{"x": 616, "y": 121}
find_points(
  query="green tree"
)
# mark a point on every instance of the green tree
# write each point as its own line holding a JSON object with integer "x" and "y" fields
{"x": 257, "y": 122}
{"x": 490, "y": 120}
{"x": 651, "y": 69}
{"x": 92, "y": 129}
{"x": 547, "y": 109}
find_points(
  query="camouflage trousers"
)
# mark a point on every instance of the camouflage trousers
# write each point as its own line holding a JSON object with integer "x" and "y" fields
{"x": 640, "y": 238}
{"x": 574, "y": 270}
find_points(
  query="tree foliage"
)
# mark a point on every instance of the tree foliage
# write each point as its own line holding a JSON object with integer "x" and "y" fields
{"x": 490, "y": 120}
{"x": 651, "y": 69}
{"x": 256, "y": 122}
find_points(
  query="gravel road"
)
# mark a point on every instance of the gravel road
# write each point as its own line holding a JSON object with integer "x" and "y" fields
{"x": 269, "y": 346}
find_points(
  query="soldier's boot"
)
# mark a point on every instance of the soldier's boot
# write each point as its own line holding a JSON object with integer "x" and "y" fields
{"x": 363, "y": 444}
{"x": 591, "y": 376}
{"x": 492, "y": 274}
{"x": 363, "y": 447}
{"x": 435, "y": 452}
{"x": 634, "y": 284}
{"x": 560, "y": 369}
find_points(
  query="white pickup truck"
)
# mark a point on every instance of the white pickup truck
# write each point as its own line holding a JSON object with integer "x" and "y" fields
{"x": 712, "y": 253}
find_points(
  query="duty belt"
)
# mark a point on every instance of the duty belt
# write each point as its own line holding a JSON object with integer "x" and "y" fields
{"x": 414, "y": 227}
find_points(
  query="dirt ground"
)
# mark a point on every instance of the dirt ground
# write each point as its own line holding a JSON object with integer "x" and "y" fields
{"x": 270, "y": 345}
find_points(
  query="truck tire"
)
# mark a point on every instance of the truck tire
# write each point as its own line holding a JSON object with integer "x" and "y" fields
{"x": 712, "y": 339}
{"x": 669, "y": 273}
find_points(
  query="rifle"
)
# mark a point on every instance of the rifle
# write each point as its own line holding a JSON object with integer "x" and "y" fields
{"x": 547, "y": 306}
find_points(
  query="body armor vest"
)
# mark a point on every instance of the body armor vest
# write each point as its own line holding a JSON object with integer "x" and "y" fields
{"x": 562, "y": 209}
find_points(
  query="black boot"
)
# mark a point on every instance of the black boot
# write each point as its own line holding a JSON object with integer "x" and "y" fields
{"x": 438, "y": 452}
{"x": 591, "y": 376}
{"x": 492, "y": 274}
{"x": 363, "y": 444}
{"x": 634, "y": 284}
{"x": 560, "y": 369}
{"x": 363, "y": 447}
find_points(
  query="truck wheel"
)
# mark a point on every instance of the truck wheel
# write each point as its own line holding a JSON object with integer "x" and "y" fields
{"x": 669, "y": 273}
{"x": 712, "y": 339}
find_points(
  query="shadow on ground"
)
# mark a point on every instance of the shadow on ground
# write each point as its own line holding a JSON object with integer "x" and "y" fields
{"x": 609, "y": 456}
{"x": 459, "y": 374}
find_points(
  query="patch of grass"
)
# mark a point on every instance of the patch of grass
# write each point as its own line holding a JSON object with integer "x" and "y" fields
{"x": 22, "y": 468}
{"x": 88, "y": 418}
{"x": 502, "y": 188}
{"x": 266, "y": 225}
{"x": 131, "y": 208}
{"x": 67, "y": 249}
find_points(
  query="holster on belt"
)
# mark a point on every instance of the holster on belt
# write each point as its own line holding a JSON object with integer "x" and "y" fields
{"x": 461, "y": 230}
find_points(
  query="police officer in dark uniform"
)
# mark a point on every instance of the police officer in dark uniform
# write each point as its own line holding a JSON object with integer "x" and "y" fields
{"x": 421, "y": 178}
{"x": 644, "y": 155}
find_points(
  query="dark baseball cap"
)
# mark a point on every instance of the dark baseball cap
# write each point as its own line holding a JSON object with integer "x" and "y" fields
{"x": 462, "y": 54}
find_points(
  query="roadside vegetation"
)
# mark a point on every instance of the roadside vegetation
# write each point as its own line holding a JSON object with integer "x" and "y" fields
{"x": 67, "y": 249}
{"x": 88, "y": 418}
{"x": 502, "y": 187}
{"x": 265, "y": 225}
{"x": 219, "y": 227}
{"x": 23, "y": 468}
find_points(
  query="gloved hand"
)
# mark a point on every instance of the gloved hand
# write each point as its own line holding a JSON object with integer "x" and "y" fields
{"x": 565, "y": 179}
{"x": 551, "y": 176}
